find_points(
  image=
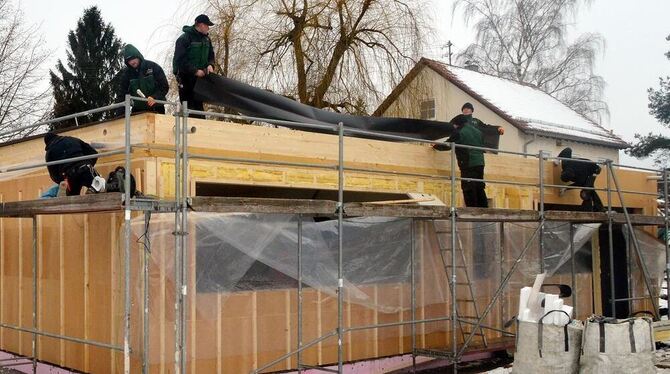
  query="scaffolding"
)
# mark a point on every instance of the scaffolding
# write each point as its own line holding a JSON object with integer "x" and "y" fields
{"x": 185, "y": 203}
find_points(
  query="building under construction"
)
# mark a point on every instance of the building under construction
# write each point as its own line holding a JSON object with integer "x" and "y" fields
{"x": 264, "y": 248}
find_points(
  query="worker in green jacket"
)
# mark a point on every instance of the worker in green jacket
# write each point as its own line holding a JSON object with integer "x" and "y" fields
{"x": 144, "y": 76}
{"x": 470, "y": 161}
{"x": 193, "y": 59}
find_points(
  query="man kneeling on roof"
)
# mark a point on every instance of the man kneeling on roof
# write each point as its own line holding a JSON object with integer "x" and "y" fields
{"x": 75, "y": 174}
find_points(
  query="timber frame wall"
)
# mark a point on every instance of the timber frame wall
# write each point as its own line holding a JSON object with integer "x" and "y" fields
{"x": 171, "y": 154}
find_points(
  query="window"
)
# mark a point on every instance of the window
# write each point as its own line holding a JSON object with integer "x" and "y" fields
{"x": 428, "y": 109}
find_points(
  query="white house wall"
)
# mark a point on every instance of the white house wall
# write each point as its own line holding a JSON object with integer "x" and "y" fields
{"x": 448, "y": 101}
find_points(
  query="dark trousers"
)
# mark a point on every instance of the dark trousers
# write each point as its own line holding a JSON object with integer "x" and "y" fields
{"x": 79, "y": 175}
{"x": 590, "y": 200}
{"x": 186, "y": 85}
{"x": 473, "y": 192}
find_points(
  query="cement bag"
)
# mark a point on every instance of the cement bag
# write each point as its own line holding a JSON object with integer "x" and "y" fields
{"x": 547, "y": 348}
{"x": 613, "y": 346}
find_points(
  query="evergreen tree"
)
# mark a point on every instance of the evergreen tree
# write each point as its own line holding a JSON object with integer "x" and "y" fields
{"x": 659, "y": 107}
{"x": 91, "y": 78}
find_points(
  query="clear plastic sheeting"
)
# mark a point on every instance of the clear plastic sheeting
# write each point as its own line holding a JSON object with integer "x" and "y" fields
{"x": 237, "y": 252}
{"x": 653, "y": 256}
{"x": 560, "y": 241}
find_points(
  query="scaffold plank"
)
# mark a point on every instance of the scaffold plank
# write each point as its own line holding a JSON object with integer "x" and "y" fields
{"x": 104, "y": 202}
{"x": 262, "y": 205}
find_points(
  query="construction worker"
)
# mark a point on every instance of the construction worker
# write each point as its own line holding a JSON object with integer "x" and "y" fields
{"x": 581, "y": 174}
{"x": 143, "y": 78}
{"x": 470, "y": 161}
{"x": 193, "y": 59}
{"x": 75, "y": 174}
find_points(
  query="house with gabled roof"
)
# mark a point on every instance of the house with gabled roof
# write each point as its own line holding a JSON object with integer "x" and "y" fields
{"x": 533, "y": 120}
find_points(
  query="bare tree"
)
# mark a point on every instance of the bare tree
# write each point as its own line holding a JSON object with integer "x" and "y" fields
{"x": 337, "y": 54}
{"x": 525, "y": 40}
{"x": 24, "y": 98}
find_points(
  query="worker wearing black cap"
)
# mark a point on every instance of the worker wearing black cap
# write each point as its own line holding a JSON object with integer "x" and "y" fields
{"x": 193, "y": 59}
{"x": 76, "y": 174}
{"x": 470, "y": 161}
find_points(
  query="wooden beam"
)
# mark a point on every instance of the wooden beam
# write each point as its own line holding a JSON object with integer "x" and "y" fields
{"x": 394, "y": 210}
{"x": 262, "y": 205}
{"x": 103, "y": 202}
{"x": 496, "y": 215}
{"x": 586, "y": 217}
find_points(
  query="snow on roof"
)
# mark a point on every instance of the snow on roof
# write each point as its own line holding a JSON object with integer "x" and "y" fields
{"x": 533, "y": 109}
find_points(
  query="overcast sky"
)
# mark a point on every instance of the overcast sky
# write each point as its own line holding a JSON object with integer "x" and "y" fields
{"x": 632, "y": 61}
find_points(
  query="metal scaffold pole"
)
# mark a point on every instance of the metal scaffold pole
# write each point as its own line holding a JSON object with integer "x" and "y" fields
{"x": 540, "y": 158}
{"x": 412, "y": 261}
{"x": 608, "y": 165}
{"x": 177, "y": 243}
{"x": 299, "y": 353}
{"x": 145, "y": 282}
{"x": 340, "y": 234}
{"x": 184, "y": 263}
{"x": 452, "y": 215}
{"x": 667, "y": 235}
{"x": 573, "y": 281}
{"x": 35, "y": 264}
{"x": 126, "y": 252}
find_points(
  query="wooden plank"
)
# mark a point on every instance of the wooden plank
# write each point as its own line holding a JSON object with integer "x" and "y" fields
{"x": 49, "y": 301}
{"x": 261, "y": 205}
{"x": 73, "y": 288}
{"x": 392, "y": 210}
{"x": 99, "y": 289}
{"x": 104, "y": 202}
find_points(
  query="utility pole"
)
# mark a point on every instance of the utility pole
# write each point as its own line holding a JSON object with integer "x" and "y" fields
{"x": 448, "y": 45}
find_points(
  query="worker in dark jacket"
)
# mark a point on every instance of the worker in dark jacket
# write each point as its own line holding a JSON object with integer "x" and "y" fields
{"x": 470, "y": 161}
{"x": 490, "y": 134}
{"x": 147, "y": 77}
{"x": 581, "y": 174}
{"x": 76, "y": 174}
{"x": 193, "y": 59}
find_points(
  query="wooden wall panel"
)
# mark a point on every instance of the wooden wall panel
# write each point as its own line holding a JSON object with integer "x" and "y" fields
{"x": 49, "y": 288}
{"x": 72, "y": 268}
{"x": 99, "y": 309}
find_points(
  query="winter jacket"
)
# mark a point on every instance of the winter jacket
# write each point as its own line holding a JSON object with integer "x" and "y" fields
{"x": 467, "y": 134}
{"x": 580, "y": 173}
{"x": 193, "y": 51}
{"x": 64, "y": 147}
{"x": 149, "y": 78}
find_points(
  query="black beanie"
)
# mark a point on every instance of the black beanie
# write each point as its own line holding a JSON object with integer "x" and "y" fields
{"x": 48, "y": 137}
{"x": 469, "y": 106}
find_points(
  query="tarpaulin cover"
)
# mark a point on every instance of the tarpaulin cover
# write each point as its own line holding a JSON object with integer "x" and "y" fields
{"x": 252, "y": 101}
